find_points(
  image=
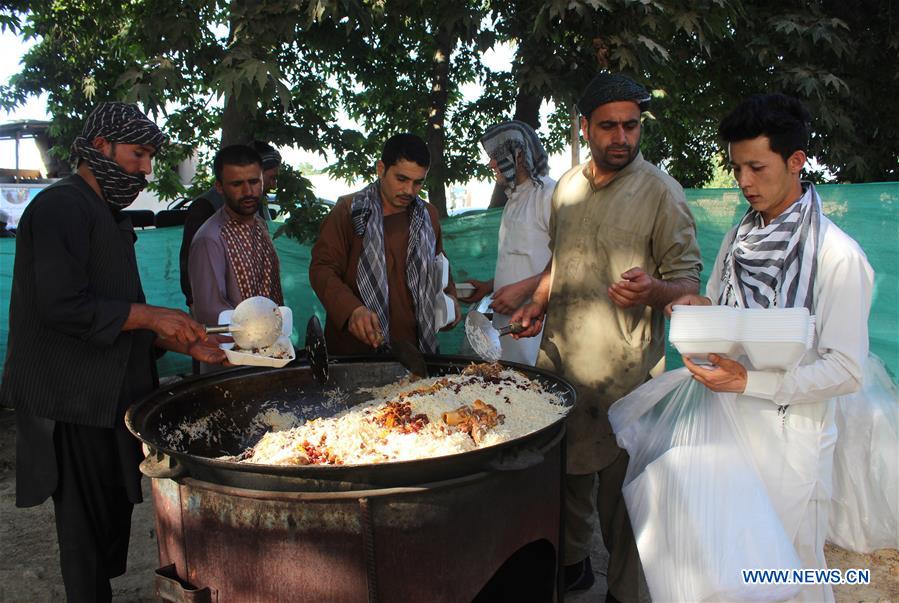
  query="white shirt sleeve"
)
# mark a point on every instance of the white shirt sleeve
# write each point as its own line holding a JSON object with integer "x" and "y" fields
{"x": 546, "y": 203}
{"x": 713, "y": 285}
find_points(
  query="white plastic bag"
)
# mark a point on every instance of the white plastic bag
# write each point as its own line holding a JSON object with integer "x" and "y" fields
{"x": 698, "y": 507}
{"x": 864, "y": 510}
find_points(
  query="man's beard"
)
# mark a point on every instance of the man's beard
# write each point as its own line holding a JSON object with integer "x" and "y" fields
{"x": 239, "y": 208}
{"x": 617, "y": 162}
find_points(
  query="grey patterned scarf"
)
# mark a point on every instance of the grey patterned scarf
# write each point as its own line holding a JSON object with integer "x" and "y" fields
{"x": 775, "y": 265}
{"x": 117, "y": 123}
{"x": 421, "y": 273}
{"x": 506, "y": 141}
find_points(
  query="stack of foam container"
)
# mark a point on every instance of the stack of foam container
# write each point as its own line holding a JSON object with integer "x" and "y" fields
{"x": 771, "y": 338}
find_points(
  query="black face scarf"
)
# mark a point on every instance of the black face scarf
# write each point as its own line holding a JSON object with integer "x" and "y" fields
{"x": 117, "y": 123}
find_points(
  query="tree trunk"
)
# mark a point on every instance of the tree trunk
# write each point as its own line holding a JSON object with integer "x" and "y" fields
{"x": 237, "y": 117}
{"x": 527, "y": 108}
{"x": 56, "y": 168}
{"x": 235, "y": 121}
{"x": 498, "y": 198}
{"x": 575, "y": 136}
{"x": 436, "y": 132}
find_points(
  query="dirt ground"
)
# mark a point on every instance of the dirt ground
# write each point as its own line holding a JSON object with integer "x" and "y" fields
{"x": 29, "y": 566}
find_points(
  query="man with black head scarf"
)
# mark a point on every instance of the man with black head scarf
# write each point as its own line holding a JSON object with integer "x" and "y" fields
{"x": 519, "y": 162}
{"x": 80, "y": 348}
{"x": 623, "y": 245}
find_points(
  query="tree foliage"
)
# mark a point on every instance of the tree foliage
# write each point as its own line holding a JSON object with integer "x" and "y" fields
{"x": 340, "y": 76}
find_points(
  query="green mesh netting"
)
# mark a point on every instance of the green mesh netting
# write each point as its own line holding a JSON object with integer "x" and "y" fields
{"x": 867, "y": 212}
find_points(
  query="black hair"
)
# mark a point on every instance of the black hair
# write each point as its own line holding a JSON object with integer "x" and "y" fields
{"x": 235, "y": 154}
{"x": 405, "y": 146}
{"x": 262, "y": 147}
{"x": 271, "y": 158}
{"x": 783, "y": 119}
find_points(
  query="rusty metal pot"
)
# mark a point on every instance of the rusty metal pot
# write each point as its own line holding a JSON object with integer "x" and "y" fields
{"x": 478, "y": 526}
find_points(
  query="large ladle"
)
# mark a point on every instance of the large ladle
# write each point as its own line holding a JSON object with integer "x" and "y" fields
{"x": 484, "y": 337}
{"x": 256, "y": 323}
{"x": 316, "y": 350}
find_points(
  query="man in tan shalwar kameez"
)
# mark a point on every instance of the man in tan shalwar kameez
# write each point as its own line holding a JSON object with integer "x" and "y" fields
{"x": 624, "y": 245}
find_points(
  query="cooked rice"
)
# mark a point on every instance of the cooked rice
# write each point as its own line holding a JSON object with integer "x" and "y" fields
{"x": 361, "y": 435}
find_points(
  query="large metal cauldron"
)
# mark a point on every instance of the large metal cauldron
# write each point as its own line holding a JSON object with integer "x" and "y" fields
{"x": 198, "y": 420}
{"x": 478, "y": 525}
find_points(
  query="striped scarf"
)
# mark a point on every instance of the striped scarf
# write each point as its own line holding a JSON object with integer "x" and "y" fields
{"x": 506, "y": 141}
{"x": 775, "y": 265}
{"x": 117, "y": 123}
{"x": 253, "y": 259}
{"x": 422, "y": 275}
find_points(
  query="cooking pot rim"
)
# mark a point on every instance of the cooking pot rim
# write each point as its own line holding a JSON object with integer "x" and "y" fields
{"x": 137, "y": 412}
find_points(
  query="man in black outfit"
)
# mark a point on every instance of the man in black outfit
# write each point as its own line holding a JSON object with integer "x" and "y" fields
{"x": 81, "y": 348}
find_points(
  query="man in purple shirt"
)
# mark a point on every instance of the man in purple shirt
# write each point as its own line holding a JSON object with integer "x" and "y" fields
{"x": 232, "y": 256}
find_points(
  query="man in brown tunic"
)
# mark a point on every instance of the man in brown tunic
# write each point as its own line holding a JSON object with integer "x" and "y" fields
{"x": 629, "y": 248}
{"x": 373, "y": 266}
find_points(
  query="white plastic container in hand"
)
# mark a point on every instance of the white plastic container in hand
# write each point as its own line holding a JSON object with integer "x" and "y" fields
{"x": 444, "y": 307}
{"x": 282, "y": 345}
{"x": 770, "y": 338}
{"x": 464, "y": 289}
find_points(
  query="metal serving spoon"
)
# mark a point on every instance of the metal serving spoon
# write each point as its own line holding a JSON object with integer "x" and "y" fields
{"x": 484, "y": 337}
{"x": 256, "y": 323}
{"x": 316, "y": 351}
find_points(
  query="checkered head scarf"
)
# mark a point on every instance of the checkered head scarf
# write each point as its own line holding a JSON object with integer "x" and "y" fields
{"x": 505, "y": 142}
{"x": 609, "y": 88}
{"x": 118, "y": 123}
{"x": 271, "y": 158}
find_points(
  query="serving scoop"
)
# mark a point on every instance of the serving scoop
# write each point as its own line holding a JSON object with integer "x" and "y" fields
{"x": 484, "y": 337}
{"x": 316, "y": 351}
{"x": 410, "y": 357}
{"x": 255, "y": 323}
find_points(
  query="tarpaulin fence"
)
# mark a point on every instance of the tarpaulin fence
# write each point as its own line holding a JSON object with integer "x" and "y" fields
{"x": 868, "y": 212}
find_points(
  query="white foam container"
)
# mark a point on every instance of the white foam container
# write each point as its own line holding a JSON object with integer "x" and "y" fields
{"x": 247, "y": 359}
{"x": 773, "y": 355}
{"x": 444, "y": 307}
{"x": 444, "y": 311}
{"x": 701, "y": 348}
{"x": 464, "y": 289}
{"x": 775, "y": 338}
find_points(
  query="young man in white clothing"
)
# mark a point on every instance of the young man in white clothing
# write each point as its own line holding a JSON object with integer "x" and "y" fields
{"x": 786, "y": 253}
